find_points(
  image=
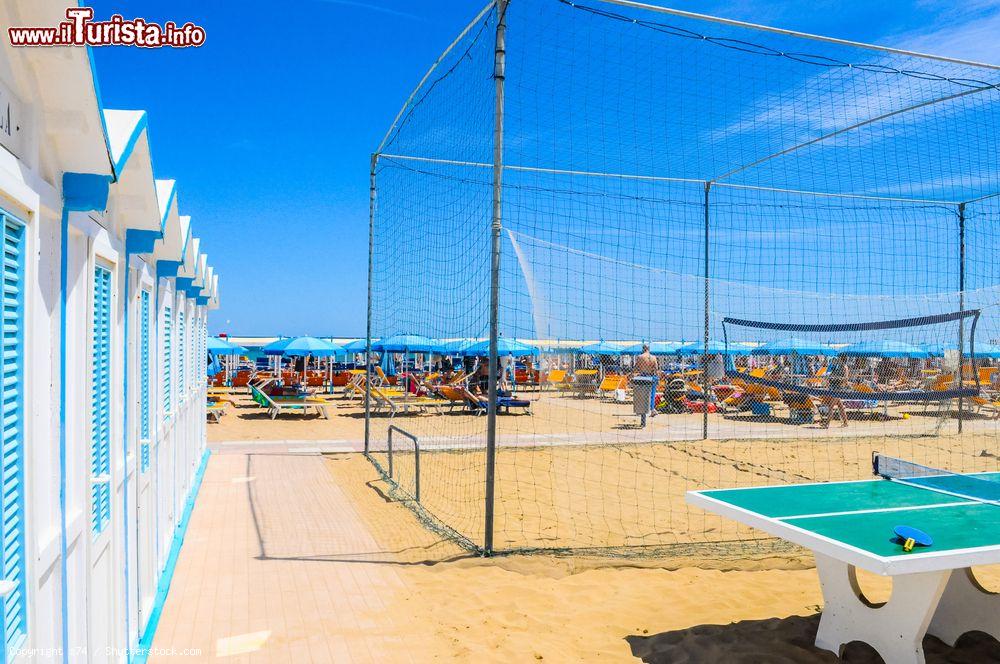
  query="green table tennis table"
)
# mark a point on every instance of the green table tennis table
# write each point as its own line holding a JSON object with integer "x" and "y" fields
{"x": 850, "y": 524}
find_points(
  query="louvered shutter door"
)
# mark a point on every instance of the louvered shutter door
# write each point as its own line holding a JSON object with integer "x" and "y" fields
{"x": 12, "y": 402}
{"x": 167, "y": 333}
{"x": 144, "y": 379}
{"x": 100, "y": 442}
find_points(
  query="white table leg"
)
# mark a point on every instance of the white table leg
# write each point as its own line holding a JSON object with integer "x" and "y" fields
{"x": 965, "y": 606}
{"x": 895, "y": 629}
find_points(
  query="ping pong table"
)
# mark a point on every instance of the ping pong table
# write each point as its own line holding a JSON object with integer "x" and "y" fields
{"x": 850, "y": 524}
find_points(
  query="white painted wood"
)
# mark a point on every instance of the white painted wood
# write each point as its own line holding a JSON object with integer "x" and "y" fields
{"x": 895, "y": 629}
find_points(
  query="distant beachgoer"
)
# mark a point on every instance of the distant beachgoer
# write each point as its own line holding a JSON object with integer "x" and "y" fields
{"x": 838, "y": 380}
{"x": 481, "y": 380}
{"x": 646, "y": 364}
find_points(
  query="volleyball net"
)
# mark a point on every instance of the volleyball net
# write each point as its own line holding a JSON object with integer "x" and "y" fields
{"x": 801, "y": 231}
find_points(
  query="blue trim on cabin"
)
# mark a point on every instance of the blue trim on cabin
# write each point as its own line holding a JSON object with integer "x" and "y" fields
{"x": 82, "y": 192}
{"x": 201, "y": 301}
{"x": 183, "y": 283}
{"x": 100, "y": 114}
{"x": 133, "y": 139}
{"x": 85, "y": 192}
{"x": 167, "y": 269}
{"x": 166, "y": 211}
{"x": 141, "y": 242}
{"x": 167, "y": 575}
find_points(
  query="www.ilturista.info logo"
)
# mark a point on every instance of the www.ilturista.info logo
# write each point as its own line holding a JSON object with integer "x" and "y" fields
{"x": 80, "y": 29}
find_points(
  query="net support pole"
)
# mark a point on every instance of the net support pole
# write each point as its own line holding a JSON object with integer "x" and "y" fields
{"x": 368, "y": 329}
{"x": 961, "y": 304}
{"x": 499, "y": 69}
{"x": 704, "y": 349}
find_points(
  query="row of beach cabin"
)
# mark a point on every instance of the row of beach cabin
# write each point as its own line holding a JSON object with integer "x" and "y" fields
{"x": 106, "y": 292}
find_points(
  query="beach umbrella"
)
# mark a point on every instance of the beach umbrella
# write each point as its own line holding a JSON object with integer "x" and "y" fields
{"x": 219, "y": 346}
{"x": 277, "y": 347}
{"x": 794, "y": 346}
{"x": 455, "y": 346}
{"x": 213, "y": 366}
{"x": 388, "y": 366}
{"x": 656, "y": 348}
{"x": 504, "y": 347}
{"x": 359, "y": 346}
{"x": 884, "y": 349}
{"x": 407, "y": 343}
{"x": 602, "y": 348}
{"x": 714, "y": 348}
{"x": 989, "y": 351}
{"x": 310, "y": 346}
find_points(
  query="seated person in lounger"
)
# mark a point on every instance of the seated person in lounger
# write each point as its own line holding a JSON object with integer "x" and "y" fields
{"x": 447, "y": 368}
{"x": 837, "y": 380}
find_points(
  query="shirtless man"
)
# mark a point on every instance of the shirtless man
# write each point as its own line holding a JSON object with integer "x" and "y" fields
{"x": 646, "y": 365}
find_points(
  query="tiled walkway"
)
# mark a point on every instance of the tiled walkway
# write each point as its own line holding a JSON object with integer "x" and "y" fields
{"x": 276, "y": 568}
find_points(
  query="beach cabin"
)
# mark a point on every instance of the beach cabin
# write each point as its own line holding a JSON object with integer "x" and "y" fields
{"x": 105, "y": 302}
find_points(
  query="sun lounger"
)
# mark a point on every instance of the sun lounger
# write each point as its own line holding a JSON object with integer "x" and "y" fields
{"x": 277, "y": 405}
{"x": 556, "y": 378}
{"x": 215, "y": 410}
{"x": 480, "y": 405}
{"x": 452, "y": 396}
{"x": 801, "y": 408}
{"x": 986, "y": 406}
{"x": 394, "y": 404}
{"x": 585, "y": 382}
{"x": 611, "y": 384}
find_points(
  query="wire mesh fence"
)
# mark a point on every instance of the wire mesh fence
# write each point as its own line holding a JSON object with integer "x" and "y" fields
{"x": 792, "y": 238}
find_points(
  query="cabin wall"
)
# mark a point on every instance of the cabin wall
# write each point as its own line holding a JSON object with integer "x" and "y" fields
{"x": 91, "y": 559}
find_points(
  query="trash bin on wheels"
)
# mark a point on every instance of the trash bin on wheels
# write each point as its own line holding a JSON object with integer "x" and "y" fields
{"x": 643, "y": 391}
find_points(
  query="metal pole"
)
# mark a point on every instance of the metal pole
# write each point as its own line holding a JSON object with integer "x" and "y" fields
{"x": 499, "y": 65}
{"x": 961, "y": 302}
{"x": 704, "y": 355}
{"x": 368, "y": 329}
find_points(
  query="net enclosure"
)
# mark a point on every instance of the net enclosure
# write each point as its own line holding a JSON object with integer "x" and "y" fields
{"x": 618, "y": 252}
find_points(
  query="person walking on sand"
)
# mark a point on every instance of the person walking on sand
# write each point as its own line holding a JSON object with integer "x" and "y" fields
{"x": 838, "y": 376}
{"x": 646, "y": 365}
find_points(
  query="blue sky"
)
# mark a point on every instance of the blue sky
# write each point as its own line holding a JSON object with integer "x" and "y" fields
{"x": 269, "y": 126}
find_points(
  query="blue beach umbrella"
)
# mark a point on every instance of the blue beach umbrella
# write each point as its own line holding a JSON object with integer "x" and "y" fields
{"x": 277, "y": 347}
{"x": 219, "y": 346}
{"x": 988, "y": 351}
{"x": 359, "y": 346}
{"x": 884, "y": 349}
{"x": 213, "y": 367}
{"x": 455, "y": 346}
{"x": 794, "y": 346}
{"x": 311, "y": 346}
{"x": 407, "y": 343}
{"x": 656, "y": 348}
{"x": 602, "y": 348}
{"x": 714, "y": 348}
{"x": 504, "y": 347}
{"x": 388, "y": 366}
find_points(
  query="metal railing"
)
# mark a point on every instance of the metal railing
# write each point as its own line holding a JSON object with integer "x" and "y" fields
{"x": 416, "y": 459}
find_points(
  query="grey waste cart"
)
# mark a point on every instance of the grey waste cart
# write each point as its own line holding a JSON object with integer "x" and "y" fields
{"x": 642, "y": 396}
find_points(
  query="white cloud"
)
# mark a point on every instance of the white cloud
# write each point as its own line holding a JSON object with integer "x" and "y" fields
{"x": 966, "y": 32}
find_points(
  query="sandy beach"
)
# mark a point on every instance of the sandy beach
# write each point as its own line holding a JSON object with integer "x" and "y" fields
{"x": 701, "y": 590}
